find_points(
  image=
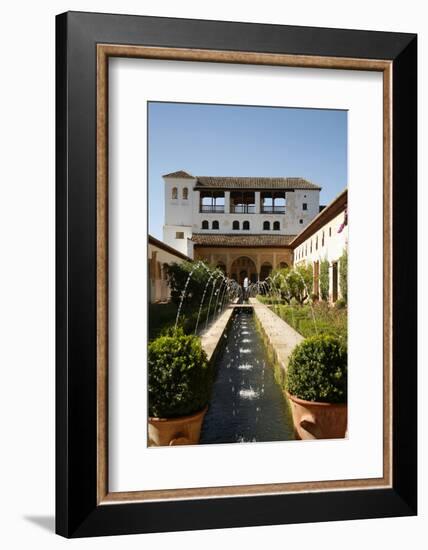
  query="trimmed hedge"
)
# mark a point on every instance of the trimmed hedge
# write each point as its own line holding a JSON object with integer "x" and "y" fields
{"x": 317, "y": 370}
{"x": 180, "y": 378}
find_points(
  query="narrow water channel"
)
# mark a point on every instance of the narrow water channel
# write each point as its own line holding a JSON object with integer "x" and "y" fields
{"x": 247, "y": 404}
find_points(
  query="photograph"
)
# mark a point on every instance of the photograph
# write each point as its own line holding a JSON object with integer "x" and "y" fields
{"x": 248, "y": 273}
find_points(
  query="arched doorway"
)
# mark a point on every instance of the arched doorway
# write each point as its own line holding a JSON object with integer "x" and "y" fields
{"x": 244, "y": 267}
{"x": 265, "y": 271}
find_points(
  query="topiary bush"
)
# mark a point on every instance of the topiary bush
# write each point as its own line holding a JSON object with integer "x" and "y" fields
{"x": 180, "y": 378}
{"x": 317, "y": 370}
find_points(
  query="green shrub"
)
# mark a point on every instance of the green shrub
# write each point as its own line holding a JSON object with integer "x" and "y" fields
{"x": 340, "y": 304}
{"x": 180, "y": 378}
{"x": 343, "y": 275}
{"x": 324, "y": 283}
{"x": 317, "y": 370}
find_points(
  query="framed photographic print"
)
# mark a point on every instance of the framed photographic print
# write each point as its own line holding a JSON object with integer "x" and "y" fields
{"x": 236, "y": 274}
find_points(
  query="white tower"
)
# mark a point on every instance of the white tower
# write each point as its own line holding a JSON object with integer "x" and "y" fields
{"x": 179, "y": 197}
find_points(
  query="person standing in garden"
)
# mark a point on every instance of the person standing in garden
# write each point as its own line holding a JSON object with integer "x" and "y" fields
{"x": 245, "y": 285}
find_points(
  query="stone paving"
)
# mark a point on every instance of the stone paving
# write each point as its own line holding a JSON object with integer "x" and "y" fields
{"x": 212, "y": 335}
{"x": 281, "y": 337}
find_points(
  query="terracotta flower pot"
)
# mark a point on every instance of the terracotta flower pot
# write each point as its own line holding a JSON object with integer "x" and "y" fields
{"x": 184, "y": 430}
{"x": 314, "y": 420}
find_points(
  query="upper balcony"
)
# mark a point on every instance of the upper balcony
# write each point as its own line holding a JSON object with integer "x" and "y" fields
{"x": 273, "y": 202}
{"x": 243, "y": 208}
{"x": 273, "y": 209}
{"x": 211, "y": 202}
{"x": 212, "y": 208}
{"x": 243, "y": 202}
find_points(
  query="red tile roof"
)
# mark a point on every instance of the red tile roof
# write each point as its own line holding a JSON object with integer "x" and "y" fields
{"x": 208, "y": 182}
{"x": 232, "y": 182}
{"x": 179, "y": 174}
{"x": 227, "y": 240}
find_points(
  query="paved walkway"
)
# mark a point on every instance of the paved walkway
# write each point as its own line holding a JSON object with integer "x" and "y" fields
{"x": 280, "y": 335}
{"x": 282, "y": 338}
{"x": 211, "y": 336}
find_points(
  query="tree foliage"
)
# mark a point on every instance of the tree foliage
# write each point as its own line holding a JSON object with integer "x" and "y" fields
{"x": 178, "y": 275}
{"x": 294, "y": 283}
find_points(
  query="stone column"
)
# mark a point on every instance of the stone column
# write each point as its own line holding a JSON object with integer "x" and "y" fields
{"x": 257, "y": 201}
{"x": 227, "y": 202}
{"x": 196, "y": 206}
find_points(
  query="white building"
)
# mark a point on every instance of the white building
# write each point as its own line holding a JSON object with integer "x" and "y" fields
{"x": 159, "y": 256}
{"x": 325, "y": 238}
{"x": 226, "y": 206}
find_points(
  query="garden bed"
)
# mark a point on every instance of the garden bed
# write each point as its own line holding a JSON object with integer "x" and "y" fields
{"x": 329, "y": 320}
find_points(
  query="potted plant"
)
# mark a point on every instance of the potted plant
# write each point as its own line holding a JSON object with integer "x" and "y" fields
{"x": 179, "y": 383}
{"x": 316, "y": 385}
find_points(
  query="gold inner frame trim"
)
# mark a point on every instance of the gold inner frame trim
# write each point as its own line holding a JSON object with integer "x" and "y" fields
{"x": 104, "y": 51}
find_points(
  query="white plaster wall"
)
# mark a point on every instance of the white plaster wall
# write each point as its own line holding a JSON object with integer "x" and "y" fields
{"x": 169, "y": 237}
{"x": 295, "y": 211}
{"x": 179, "y": 211}
{"x": 332, "y": 250}
{"x": 159, "y": 289}
{"x": 333, "y": 245}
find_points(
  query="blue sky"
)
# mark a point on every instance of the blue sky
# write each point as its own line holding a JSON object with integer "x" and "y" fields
{"x": 223, "y": 140}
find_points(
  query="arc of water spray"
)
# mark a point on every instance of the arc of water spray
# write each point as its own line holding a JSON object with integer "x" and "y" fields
{"x": 183, "y": 293}
{"x": 220, "y": 275}
{"x": 203, "y": 298}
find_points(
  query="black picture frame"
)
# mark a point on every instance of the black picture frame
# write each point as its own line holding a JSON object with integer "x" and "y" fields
{"x": 77, "y": 511}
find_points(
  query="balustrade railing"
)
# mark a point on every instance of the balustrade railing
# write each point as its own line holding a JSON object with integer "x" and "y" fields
{"x": 215, "y": 209}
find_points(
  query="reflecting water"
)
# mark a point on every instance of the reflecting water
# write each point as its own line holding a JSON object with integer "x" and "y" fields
{"x": 247, "y": 404}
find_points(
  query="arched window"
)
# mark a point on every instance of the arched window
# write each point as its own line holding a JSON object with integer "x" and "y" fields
{"x": 322, "y": 240}
{"x": 266, "y": 226}
{"x": 276, "y": 226}
{"x": 174, "y": 194}
{"x": 316, "y": 243}
{"x": 283, "y": 265}
{"x": 215, "y": 224}
{"x": 235, "y": 225}
{"x": 246, "y": 225}
{"x": 205, "y": 225}
{"x": 185, "y": 193}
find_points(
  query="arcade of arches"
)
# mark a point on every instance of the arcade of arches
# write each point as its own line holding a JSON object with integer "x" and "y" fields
{"x": 238, "y": 263}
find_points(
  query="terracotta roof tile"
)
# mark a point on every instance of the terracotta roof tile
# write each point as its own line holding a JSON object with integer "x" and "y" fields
{"x": 179, "y": 174}
{"x": 227, "y": 240}
{"x": 253, "y": 183}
